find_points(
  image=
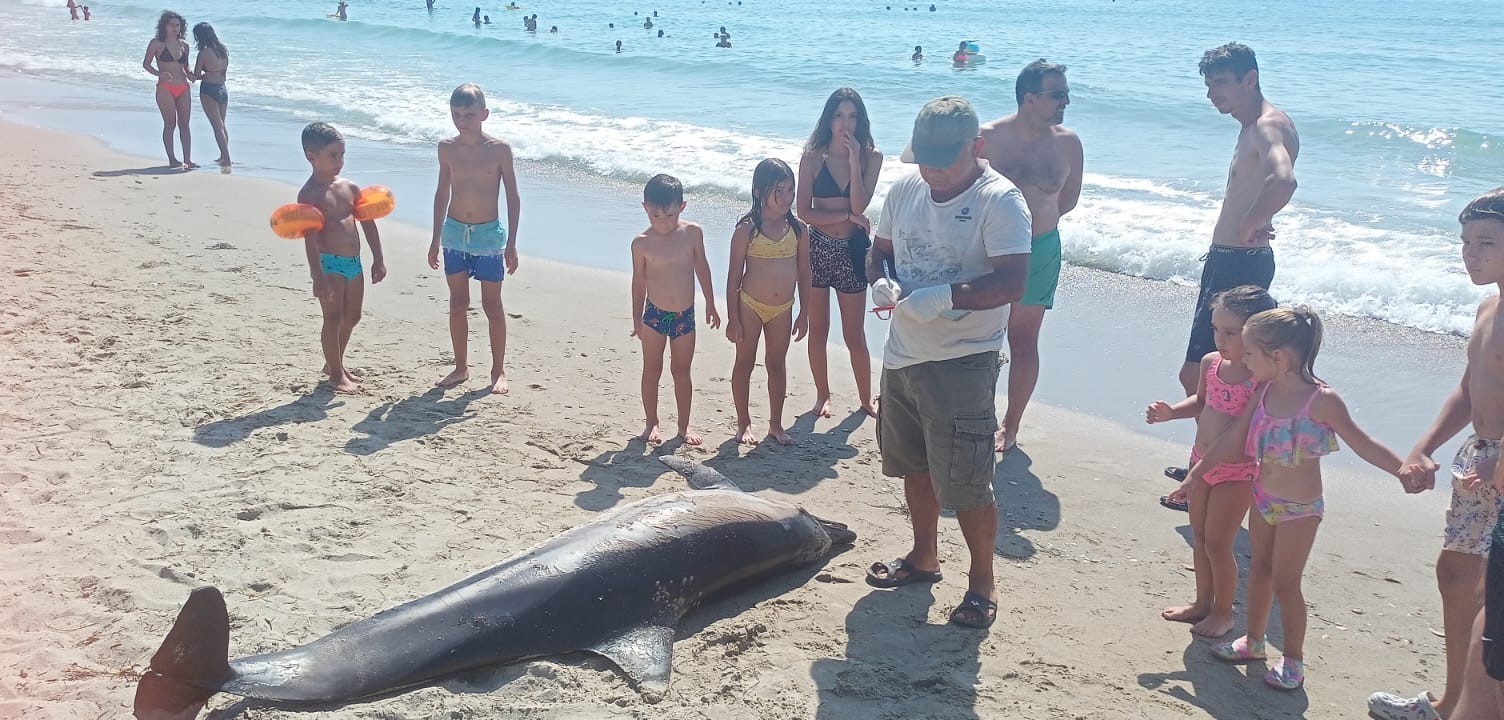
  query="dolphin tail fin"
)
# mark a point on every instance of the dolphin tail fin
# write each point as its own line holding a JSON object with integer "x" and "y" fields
{"x": 644, "y": 653}
{"x": 193, "y": 662}
{"x": 700, "y": 476}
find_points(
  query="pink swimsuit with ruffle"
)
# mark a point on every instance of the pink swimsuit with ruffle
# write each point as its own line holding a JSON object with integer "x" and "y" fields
{"x": 1227, "y": 398}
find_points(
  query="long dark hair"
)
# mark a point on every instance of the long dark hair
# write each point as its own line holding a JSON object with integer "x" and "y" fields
{"x": 821, "y": 137}
{"x": 768, "y": 174}
{"x": 204, "y": 35}
{"x": 162, "y": 25}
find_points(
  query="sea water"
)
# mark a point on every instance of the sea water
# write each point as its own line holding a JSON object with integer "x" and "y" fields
{"x": 1397, "y": 104}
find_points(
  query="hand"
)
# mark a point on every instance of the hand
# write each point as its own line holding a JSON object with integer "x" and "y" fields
{"x": 323, "y": 289}
{"x": 734, "y": 331}
{"x": 885, "y": 292}
{"x": 926, "y": 304}
{"x": 1180, "y": 493}
{"x": 862, "y": 222}
{"x": 638, "y": 329}
{"x": 853, "y": 154}
{"x": 1412, "y": 478}
{"x": 1157, "y": 412}
{"x": 378, "y": 272}
{"x": 1426, "y": 467}
{"x": 801, "y": 326}
{"x": 712, "y": 317}
{"x": 510, "y": 256}
{"x": 433, "y": 255}
{"x": 1255, "y": 234}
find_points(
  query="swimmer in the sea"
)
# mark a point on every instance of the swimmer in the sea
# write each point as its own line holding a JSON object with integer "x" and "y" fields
{"x": 476, "y": 17}
{"x": 339, "y": 12}
{"x": 618, "y": 46}
{"x": 647, "y": 24}
{"x": 918, "y": 55}
{"x": 960, "y": 57}
{"x": 724, "y": 43}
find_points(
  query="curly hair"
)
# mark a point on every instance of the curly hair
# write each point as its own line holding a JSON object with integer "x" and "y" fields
{"x": 162, "y": 25}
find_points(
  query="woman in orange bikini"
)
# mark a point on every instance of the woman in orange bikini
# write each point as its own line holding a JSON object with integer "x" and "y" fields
{"x": 170, "y": 53}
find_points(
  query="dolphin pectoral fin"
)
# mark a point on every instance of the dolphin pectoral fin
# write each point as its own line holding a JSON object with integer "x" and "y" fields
{"x": 700, "y": 477}
{"x": 644, "y": 653}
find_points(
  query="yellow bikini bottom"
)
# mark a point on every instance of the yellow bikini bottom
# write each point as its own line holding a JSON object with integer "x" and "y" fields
{"x": 765, "y": 311}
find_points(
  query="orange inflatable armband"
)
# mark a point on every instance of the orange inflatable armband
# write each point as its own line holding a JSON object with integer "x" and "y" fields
{"x": 375, "y": 201}
{"x": 293, "y": 220}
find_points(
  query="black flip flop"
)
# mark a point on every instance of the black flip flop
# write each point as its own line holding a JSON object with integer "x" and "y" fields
{"x": 890, "y": 577}
{"x": 1176, "y": 473}
{"x": 979, "y": 604}
{"x": 1165, "y": 501}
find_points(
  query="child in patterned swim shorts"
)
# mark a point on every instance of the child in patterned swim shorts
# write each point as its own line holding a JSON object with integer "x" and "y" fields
{"x": 666, "y": 259}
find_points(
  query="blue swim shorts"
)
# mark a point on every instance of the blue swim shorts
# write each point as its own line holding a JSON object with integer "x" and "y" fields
{"x": 486, "y": 268}
{"x": 344, "y": 265}
{"x": 671, "y": 323}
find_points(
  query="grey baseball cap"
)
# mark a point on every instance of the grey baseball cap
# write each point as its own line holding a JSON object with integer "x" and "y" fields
{"x": 944, "y": 127}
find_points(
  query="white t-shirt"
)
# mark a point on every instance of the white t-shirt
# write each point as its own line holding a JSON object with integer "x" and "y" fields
{"x": 947, "y": 243}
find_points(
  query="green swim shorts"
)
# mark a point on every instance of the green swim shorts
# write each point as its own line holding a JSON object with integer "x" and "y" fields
{"x": 1044, "y": 270}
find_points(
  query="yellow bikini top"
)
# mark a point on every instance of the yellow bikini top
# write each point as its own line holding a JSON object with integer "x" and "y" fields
{"x": 764, "y": 247}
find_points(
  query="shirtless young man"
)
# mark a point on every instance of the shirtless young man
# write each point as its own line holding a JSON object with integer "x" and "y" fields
{"x": 473, "y": 167}
{"x": 1260, "y": 182}
{"x": 1470, "y": 548}
{"x": 1044, "y": 159}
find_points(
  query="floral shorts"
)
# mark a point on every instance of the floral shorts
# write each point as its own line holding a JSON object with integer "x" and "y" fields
{"x": 1471, "y": 516}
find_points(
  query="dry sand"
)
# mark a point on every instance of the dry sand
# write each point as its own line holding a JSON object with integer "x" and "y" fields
{"x": 162, "y": 427}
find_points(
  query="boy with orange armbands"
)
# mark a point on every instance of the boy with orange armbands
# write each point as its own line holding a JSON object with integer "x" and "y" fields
{"x": 334, "y": 249}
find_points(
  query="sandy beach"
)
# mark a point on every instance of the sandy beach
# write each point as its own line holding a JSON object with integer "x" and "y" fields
{"x": 162, "y": 427}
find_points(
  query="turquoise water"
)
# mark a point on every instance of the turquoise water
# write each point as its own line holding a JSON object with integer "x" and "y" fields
{"x": 1396, "y": 104}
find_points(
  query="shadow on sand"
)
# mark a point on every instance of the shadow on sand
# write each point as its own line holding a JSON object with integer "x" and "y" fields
{"x": 311, "y": 406}
{"x": 410, "y": 418}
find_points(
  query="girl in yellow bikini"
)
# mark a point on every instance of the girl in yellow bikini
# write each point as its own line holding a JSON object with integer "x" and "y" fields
{"x": 769, "y": 264}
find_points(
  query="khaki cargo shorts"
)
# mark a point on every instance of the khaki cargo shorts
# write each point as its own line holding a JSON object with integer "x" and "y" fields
{"x": 939, "y": 417}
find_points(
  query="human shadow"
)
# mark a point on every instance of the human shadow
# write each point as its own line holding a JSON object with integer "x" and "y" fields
{"x": 815, "y": 456}
{"x": 311, "y": 406}
{"x": 153, "y": 170}
{"x": 897, "y": 664}
{"x": 1022, "y": 504}
{"x": 1226, "y": 691}
{"x": 410, "y": 418}
{"x": 632, "y": 466}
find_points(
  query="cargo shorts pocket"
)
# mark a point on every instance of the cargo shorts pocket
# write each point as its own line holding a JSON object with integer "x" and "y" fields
{"x": 971, "y": 451}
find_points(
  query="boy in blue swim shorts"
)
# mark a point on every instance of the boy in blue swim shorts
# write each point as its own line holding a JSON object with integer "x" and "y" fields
{"x": 666, "y": 259}
{"x": 467, "y": 231}
{"x": 334, "y": 250}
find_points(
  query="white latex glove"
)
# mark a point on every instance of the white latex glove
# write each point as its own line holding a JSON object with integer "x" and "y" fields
{"x": 926, "y": 304}
{"x": 885, "y": 293}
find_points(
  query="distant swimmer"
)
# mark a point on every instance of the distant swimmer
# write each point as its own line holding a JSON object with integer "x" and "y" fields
{"x": 618, "y": 46}
{"x": 430, "y": 4}
{"x": 476, "y": 17}
{"x": 647, "y": 24}
{"x": 660, "y": 33}
{"x": 84, "y": 8}
{"x": 932, "y": 8}
{"x": 485, "y": 20}
{"x": 513, "y": 6}
{"x": 960, "y": 57}
{"x": 340, "y": 12}
{"x": 724, "y": 42}
{"x": 555, "y": 29}
{"x": 918, "y": 55}
{"x": 73, "y": 9}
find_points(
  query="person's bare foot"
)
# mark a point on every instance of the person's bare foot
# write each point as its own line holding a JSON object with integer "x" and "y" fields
{"x": 821, "y": 408}
{"x": 689, "y": 436}
{"x": 1213, "y": 626}
{"x": 173, "y": 162}
{"x": 344, "y": 386}
{"x": 870, "y": 409}
{"x": 650, "y": 433}
{"x": 190, "y": 165}
{"x": 350, "y": 375}
{"x": 499, "y": 383}
{"x": 1005, "y": 441}
{"x": 745, "y": 436}
{"x": 455, "y": 377}
{"x": 780, "y": 436}
{"x": 1185, "y": 614}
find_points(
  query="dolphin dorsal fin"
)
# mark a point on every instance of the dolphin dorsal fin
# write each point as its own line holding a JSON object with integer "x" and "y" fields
{"x": 644, "y": 653}
{"x": 700, "y": 476}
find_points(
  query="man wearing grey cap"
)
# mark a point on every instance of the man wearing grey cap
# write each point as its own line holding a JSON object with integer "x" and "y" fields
{"x": 957, "y": 237}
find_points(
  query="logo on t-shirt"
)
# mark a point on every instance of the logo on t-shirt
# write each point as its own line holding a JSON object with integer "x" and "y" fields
{"x": 965, "y": 215}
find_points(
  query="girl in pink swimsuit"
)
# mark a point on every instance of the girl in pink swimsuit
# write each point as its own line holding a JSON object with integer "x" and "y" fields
{"x": 1218, "y": 503}
{"x": 1294, "y": 419}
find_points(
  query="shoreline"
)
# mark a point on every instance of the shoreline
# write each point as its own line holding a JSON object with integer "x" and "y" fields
{"x": 191, "y": 445}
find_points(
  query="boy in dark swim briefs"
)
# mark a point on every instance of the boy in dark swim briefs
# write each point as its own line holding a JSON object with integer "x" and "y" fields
{"x": 334, "y": 250}
{"x": 666, "y": 259}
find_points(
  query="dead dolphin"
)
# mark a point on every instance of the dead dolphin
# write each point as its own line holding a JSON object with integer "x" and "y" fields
{"x": 616, "y": 586}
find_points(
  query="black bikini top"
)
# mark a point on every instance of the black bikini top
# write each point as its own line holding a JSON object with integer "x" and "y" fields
{"x": 165, "y": 56}
{"x": 825, "y": 184}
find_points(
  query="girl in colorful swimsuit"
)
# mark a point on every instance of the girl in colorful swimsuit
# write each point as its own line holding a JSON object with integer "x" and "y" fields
{"x": 837, "y": 177}
{"x": 213, "y": 61}
{"x": 1293, "y": 419}
{"x": 769, "y": 266}
{"x": 1220, "y": 502}
{"x": 169, "y": 51}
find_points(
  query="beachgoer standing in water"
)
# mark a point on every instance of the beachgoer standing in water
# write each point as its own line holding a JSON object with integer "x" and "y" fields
{"x": 1259, "y": 184}
{"x": 213, "y": 61}
{"x": 837, "y": 178}
{"x": 170, "y": 53}
{"x": 957, "y": 235}
{"x": 1044, "y": 159}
